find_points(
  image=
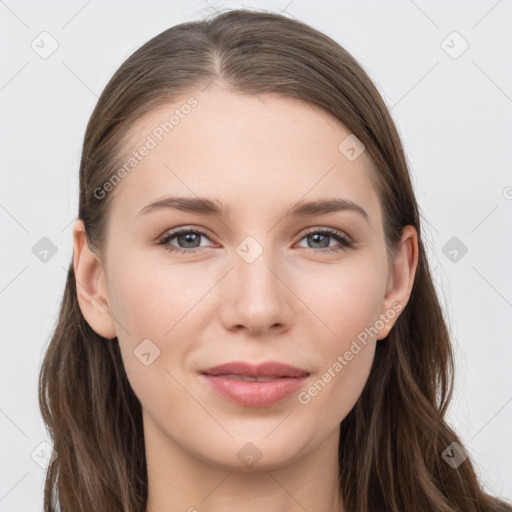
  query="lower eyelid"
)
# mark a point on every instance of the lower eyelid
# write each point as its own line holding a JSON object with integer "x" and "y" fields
{"x": 166, "y": 239}
{"x": 343, "y": 241}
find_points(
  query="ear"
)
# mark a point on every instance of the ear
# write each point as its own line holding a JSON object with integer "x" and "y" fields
{"x": 91, "y": 285}
{"x": 401, "y": 279}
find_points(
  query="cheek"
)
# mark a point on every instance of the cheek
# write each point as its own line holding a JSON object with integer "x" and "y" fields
{"x": 350, "y": 310}
{"x": 159, "y": 303}
{"x": 348, "y": 301}
{"x": 150, "y": 307}
{"x": 150, "y": 298}
{"x": 335, "y": 390}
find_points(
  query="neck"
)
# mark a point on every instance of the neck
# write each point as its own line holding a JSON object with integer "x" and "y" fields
{"x": 180, "y": 480}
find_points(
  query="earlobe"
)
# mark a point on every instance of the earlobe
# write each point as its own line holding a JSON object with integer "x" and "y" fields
{"x": 91, "y": 286}
{"x": 401, "y": 280}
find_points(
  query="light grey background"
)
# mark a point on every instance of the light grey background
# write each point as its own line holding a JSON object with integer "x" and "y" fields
{"x": 454, "y": 113}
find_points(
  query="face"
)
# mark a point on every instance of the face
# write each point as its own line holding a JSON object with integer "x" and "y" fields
{"x": 249, "y": 284}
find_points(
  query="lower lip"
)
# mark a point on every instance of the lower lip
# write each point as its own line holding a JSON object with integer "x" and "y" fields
{"x": 255, "y": 394}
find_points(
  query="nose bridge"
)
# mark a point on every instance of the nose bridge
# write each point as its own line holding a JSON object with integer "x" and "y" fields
{"x": 252, "y": 268}
{"x": 253, "y": 264}
{"x": 257, "y": 298}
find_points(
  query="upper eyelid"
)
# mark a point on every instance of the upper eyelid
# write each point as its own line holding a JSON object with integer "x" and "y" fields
{"x": 169, "y": 235}
{"x": 177, "y": 231}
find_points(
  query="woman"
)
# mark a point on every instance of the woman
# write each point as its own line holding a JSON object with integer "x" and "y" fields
{"x": 249, "y": 320}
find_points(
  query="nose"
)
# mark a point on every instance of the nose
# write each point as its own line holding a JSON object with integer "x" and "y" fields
{"x": 256, "y": 297}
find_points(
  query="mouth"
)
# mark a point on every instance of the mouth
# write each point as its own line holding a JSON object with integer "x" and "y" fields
{"x": 271, "y": 369}
{"x": 255, "y": 385}
{"x": 247, "y": 378}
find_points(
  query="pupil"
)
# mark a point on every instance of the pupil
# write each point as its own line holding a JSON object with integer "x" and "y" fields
{"x": 324, "y": 237}
{"x": 190, "y": 238}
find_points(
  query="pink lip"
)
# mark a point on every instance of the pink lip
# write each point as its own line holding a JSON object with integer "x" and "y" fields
{"x": 255, "y": 394}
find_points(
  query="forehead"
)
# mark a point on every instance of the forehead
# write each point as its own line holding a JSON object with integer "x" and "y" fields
{"x": 245, "y": 151}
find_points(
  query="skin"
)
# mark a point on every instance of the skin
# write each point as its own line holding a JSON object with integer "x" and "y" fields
{"x": 292, "y": 304}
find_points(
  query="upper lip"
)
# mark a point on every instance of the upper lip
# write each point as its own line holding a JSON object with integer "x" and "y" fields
{"x": 267, "y": 369}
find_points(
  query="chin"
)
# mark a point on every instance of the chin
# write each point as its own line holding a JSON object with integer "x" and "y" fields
{"x": 254, "y": 454}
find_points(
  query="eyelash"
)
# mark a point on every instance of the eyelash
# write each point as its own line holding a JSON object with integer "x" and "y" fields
{"x": 345, "y": 242}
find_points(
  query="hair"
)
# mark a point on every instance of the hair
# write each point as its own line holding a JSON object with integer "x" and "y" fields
{"x": 391, "y": 442}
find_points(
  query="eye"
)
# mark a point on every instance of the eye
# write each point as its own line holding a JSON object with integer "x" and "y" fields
{"x": 191, "y": 240}
{"x": 322, "y": 238}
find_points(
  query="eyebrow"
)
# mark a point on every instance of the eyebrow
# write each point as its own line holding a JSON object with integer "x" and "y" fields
{"x": 205, "y": 206}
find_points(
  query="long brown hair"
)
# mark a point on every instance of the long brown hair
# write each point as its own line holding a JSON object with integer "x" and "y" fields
{"x": 392, "y": 441}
